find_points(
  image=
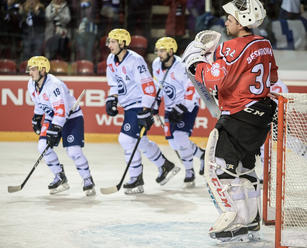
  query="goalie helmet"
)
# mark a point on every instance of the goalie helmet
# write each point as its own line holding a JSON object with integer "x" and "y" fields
{"x": 120, "y": 35}
{"x": 39, "y": 62}
{"x": 249, "y": 13}
{"x": 167, "y": 43}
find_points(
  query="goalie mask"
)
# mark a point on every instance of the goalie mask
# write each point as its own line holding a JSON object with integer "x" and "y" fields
{"x": 166, "y": 43}
{"x": 122, "y": 35}
{"x": 249, "y": 13}
{"x": 40, "y": 62}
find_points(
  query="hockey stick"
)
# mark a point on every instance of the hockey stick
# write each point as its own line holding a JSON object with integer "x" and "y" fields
{"x": 12, "y": 189}
{"x": 205, "y": 96}
{"x": 113, "y": 189}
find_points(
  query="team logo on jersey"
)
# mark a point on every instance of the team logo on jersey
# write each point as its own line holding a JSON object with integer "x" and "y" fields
{"x": 127, "y": 127}
{"x": 124, "y": 70}
{"x": 121, "y": 86}
{"x": 70, "y": 138}
{"x": 169, "y": 90}
{"x": 215, "y": 70}
{"x": 180, "y": 124}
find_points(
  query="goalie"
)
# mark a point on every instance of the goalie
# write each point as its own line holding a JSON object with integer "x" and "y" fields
{"x": 240, "y": 77}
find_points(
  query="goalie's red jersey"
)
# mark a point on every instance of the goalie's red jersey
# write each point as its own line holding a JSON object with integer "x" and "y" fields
{"x": 242, "y": 73}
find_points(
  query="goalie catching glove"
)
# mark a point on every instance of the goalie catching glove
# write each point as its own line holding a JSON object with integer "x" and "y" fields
{"x": 201, "y": 50}
{"x": 54, "y": 135}
{"x": 145, "y": 119}
{"x": 111, "y": 105}
{"x": 176, "y": 115}
{"x": 37, "y": 123}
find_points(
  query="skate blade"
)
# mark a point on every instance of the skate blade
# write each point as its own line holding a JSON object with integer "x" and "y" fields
{"x": 254, "y": 235}
{"x": 135, "y": 191}
{"x": 171, "y": 174}
{"x": 61, "y": 188}
{"x": 90, "y": 192}
{"x": 189, "y": 185}
{"x": 237, "y": 239}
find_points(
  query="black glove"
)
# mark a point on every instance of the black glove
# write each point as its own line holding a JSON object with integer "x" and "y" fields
{"x": 54, "y": 135}
{"x": 37, "y": 123}
{"x": 145, "y": 119}
{"x": 176, "y": 115}
{"x": 111, "y": 105}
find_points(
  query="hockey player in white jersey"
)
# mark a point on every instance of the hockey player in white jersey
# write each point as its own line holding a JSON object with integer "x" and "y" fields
{"x": 132, "y": 86}
{"x": 53, "y": 101}
{"x": 181, "y": 103}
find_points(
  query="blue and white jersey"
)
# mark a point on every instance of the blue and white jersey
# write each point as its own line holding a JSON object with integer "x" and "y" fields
{"x": 177, "y": 87}
{"x": 53, "y": 99}
{"x": 131, "y": 80}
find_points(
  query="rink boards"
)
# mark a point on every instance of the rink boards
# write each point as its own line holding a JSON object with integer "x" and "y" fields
{"x": 16, "y": 108}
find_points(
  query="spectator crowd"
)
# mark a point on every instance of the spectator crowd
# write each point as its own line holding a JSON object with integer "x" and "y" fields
{"x": 71, "y": 30}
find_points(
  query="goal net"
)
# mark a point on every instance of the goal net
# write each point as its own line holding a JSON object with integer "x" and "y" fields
{"x": 285, "y": 172}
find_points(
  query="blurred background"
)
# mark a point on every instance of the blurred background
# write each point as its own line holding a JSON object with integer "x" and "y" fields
{"x": 72, "y": 33}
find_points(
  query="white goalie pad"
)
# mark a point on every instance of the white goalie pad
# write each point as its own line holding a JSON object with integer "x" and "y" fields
{"x": 217, "y": 190}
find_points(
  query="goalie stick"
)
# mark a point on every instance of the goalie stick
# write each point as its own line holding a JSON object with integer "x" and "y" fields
{"x": 205, "y": 96}
{"x": 12, "y": 189}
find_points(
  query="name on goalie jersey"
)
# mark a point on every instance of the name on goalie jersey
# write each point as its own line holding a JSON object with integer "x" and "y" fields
{"x": 259, "y": 52}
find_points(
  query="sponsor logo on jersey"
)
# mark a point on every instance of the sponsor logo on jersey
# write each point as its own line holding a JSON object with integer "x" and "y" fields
{"x": 127, "y": 127}
{"x": 70, "y": 138}
{"x": 173, "y": 76}
{"x": 45, "y": 97}
{"x": 124, "y": 70}
{"x": 149, "y": 89}
{"x": 111, "y": 67}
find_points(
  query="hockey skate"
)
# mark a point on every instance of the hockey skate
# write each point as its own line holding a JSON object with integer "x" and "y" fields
{"x": 59, "y": 183}
{"x": 238, "y": 234}
{"x": 89, "y": 187}
{"x": 254, "y": 228}
{"x": 189, "y": 180}
{"x": 202, "y": 163}
{"x": 166, "y": 172}
{"x": 135, "y": 185}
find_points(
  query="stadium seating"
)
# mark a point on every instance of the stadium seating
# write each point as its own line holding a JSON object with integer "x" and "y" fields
{"x": 139, "y": 44}
{"x": 82, "y": 67}
{"x": 58, "y": 67}
{"x": 22, "y": 67}
{"x": 104, "y": 50}
{"x": 7, "y": 66}
{"x": 101, "y": 68}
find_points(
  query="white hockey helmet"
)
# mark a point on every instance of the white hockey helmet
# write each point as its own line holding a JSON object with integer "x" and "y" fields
{"x": 249, "y": 13}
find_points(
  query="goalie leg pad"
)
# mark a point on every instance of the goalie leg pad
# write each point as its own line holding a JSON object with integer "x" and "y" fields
{"x": 217, "y": 190}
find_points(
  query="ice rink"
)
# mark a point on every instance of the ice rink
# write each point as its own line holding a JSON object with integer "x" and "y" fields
{"x": 163, "y": 217}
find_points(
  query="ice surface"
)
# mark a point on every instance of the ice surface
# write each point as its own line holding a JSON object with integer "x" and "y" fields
{"x": 163, "y": 217}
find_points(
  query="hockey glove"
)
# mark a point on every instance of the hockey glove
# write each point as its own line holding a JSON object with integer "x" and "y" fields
{"x": 176, "y": 115}
{"x": 111, "y": 105}
{"x": 145, "y": 119}
{"x": 37, "y": 123}
{"x": 54, "y": 134}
